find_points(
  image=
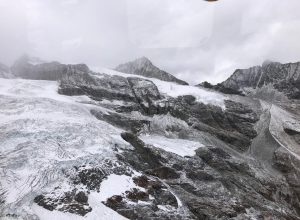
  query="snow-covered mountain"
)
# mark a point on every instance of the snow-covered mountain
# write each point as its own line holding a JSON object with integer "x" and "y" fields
{"x": 269, "y": 78}
{"x": 82, "y": 144}
{"x": 144, "y": 67}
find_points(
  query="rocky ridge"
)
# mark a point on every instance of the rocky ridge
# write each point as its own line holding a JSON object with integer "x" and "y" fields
{"x": 271, "y": 76}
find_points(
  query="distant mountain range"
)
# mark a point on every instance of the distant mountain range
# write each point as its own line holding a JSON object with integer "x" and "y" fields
{"x": 284, "y": 78}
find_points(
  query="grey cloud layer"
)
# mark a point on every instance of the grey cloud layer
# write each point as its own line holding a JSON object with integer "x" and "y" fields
{"x": 193, "y": 39}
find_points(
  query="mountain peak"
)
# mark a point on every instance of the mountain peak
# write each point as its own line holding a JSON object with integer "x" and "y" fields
{"x": 144, "y": 67}
{"x": 279, "y": 77}
{"x": 266, "y": 62}
{"x": 143, "y": 60}
{"x": 269, "y": 62}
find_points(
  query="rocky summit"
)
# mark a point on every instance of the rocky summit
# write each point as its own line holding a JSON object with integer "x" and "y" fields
{"x": 81, "y": 144}
{"x": 284, "y": 78}
{"x": 263, "y": 81}
{"x": 144, "y": 67}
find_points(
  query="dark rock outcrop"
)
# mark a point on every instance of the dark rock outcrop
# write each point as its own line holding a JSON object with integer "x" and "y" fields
{"x": 149, "y": 157}
{"x": 98, "y": 88}
{"x": 218, "y": 185}
{"x": 293, "y": 134}
{"x": 81, "y": 197}
{"x": 233, "y": 126}
{"x": 144, "y": 67}
{"x": 141, "y": 93}
{"x": 164, "y": 173}
{"x": 122, "y": 121}
{"x": 136, "y": 195}
{"x": 73, "y": 203}
{"x": 206, "y": 85}
{"x": 91, "y": 178}
{"x": 221, "y": 88}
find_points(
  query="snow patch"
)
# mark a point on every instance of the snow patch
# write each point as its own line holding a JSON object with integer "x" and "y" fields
{"x": 99, "y": 211}
{"x": 180, "y": 147}
{"x": 113, "y": 185}
{"x": 45, "y": 214}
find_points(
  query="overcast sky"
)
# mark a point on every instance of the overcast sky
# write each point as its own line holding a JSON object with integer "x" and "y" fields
{"x": 192, "y": 39}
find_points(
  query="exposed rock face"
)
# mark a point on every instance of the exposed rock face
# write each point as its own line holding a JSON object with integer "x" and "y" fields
{"x": 217, "y": 184}
{"x": 75, "y": 204}
{"x": 206, "y": 84}
{"x": 140, "y": 92}
{"x": 233, "y": 126}
{"x": 82, "y": 83}
{"x": 122, "y": 121}
{"x": 149, "y": 158}
{"x": 25, "y": 68}
{"x": 282, "y": 77}
{"x": 144, "y": 67}
{"x": 223, "y": 173}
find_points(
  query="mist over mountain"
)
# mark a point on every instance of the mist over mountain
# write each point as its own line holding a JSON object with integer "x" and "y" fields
{"x": 193, "y": 40}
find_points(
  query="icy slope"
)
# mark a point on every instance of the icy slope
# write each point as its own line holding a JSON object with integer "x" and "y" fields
{"x": 42, "y": 133}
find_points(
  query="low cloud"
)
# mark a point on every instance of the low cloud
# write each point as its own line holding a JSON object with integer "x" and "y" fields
{"x": 194, "y": 40}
